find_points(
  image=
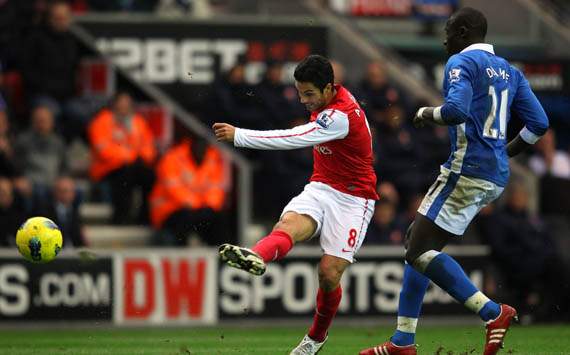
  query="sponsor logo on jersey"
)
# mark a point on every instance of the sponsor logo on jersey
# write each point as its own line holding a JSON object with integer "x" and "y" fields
{"x": 323, "y": 149}
{"x": 324, "y": 120}
{"x": 454, "y": 75}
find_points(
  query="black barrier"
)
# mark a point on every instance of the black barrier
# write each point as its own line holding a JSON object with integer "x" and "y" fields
{"x": 184, "y": 58}
{"x": 190, "y": 287}
{"x": 370, "y": 287}
{"x": 65, "y": 289}
{"x": 550, "y": 76}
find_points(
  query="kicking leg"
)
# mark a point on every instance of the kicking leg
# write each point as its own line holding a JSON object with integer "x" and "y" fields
{"x": 292, "y": 227}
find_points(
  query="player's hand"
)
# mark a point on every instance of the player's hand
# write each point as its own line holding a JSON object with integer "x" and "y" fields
{"x": 419, "y": 118}
{"x": 224, "y": 132}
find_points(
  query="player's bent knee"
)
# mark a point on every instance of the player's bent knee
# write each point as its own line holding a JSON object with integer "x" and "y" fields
{"x": 410, "y": 257}
{"x": 421, "y": 262}
{"x": 298, "y": 226}
{"x": 329, "y": 281}
{"x": 330, "y": 272}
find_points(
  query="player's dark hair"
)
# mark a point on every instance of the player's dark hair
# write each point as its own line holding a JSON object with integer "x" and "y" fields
{"x": 315, "y": 69}
{"x": 473, "y": 20}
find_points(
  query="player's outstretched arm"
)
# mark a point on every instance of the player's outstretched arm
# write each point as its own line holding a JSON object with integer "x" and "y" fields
{"x": 329, "y": 125}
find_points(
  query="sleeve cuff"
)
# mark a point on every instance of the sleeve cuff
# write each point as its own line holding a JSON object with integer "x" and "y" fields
{"x": 528, "y": 136}
{"x": 437, "y": 115}
{"x": 237, "y": 137}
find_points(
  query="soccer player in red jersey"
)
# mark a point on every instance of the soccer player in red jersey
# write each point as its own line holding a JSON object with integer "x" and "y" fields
{"x": 338, "y": 202}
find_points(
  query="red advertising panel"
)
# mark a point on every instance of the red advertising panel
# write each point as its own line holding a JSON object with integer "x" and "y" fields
{"x": 160, "y": 288}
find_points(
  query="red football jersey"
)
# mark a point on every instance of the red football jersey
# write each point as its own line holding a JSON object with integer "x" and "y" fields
{"x": 346, "y": 164}
{"x": 342, "y": 145}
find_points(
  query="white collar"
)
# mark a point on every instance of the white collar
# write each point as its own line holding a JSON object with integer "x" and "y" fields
{"x": 481, "y": 46}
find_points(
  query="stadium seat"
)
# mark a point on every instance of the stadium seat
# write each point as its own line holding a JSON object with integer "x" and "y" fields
{"x": 97, "y": 77}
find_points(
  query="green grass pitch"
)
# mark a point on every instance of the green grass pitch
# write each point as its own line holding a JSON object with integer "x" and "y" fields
{"x": 441, "y": 340}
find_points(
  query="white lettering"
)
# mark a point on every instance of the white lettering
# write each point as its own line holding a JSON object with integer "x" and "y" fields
{"x": 267, "y": 287}
{"x": 14, "y": 296}
{"x": 306, "y": 273}
{"x": 196, "y": 62}
{"x": 98, "y": 292}
{"x": 388, "y": 282}
{"x": 160, "y": 61}
{"x": 362, "y": 274}
{"x": 235, "y": 293}
{"x": 375, "y": 287}
{"x": 73, "y": 290}
{"x": 163, "y": 61}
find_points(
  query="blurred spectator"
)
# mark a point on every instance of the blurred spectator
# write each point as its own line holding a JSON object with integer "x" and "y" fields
{"x": 198, "y": 8}
{"x": 380, "y": 100}
{"x": 192, "y": 182}
{"x": 340, "y": 78}
{"x": 387, "y": 190}
{"x": 40, "y": 152}
{"x": 63, "y": 209}
{"x": 553, "y": 168}
{"x": 436, "y": 141}
{"x": 548, "y": 160}
{"x": 11, "y": 213}
{"x": 236, "y": 102}
{"x": 2, "y": 101}
{"x": 49, "y": 65}
{"x": 271, "y": 91}
{"x": 399, "y": 156}
{"x": 339, "y": 72}
{"x": 7, "y": 166}
{"x": 123, "y": 152}
{"x": 385, "y": 228}
{"x": 122, "y": 5}
{"x": 524, "y": 250}
{"x": 409, "y": 214}
{"x": 288, "y": 169}
{"x": 16, "y": 20}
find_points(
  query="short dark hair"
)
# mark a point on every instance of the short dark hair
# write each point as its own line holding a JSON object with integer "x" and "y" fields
{"x": 473, "y": 19}
{"x": 315, "y": 69}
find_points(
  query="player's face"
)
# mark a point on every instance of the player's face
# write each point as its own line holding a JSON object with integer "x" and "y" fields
{"x": 313, "y": 98}
{"x": 454, "y": 42}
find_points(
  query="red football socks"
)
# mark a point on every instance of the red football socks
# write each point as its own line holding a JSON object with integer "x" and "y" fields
{"x": 274, "y": 247}
{"x": 327, "y": 305}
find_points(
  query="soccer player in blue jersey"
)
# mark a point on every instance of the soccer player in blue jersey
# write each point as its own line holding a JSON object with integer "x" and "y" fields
{"x": 480, "y": 90}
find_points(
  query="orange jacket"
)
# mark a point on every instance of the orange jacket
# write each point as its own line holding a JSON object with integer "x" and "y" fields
{"x": 113, "y": 145}
{"x": 181, "y": 183}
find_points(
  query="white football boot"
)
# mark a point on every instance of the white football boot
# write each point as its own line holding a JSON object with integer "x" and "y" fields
{"x": 242, "y": 258}
{"x": 308, "y": 346}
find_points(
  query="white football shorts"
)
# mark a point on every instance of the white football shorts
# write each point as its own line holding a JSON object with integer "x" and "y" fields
{"x": 454, "y": 200}
{"x": 342, "y": 219}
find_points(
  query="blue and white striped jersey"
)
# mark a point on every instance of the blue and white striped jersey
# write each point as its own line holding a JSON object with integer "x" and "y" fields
{"x": 480, "y": 90}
